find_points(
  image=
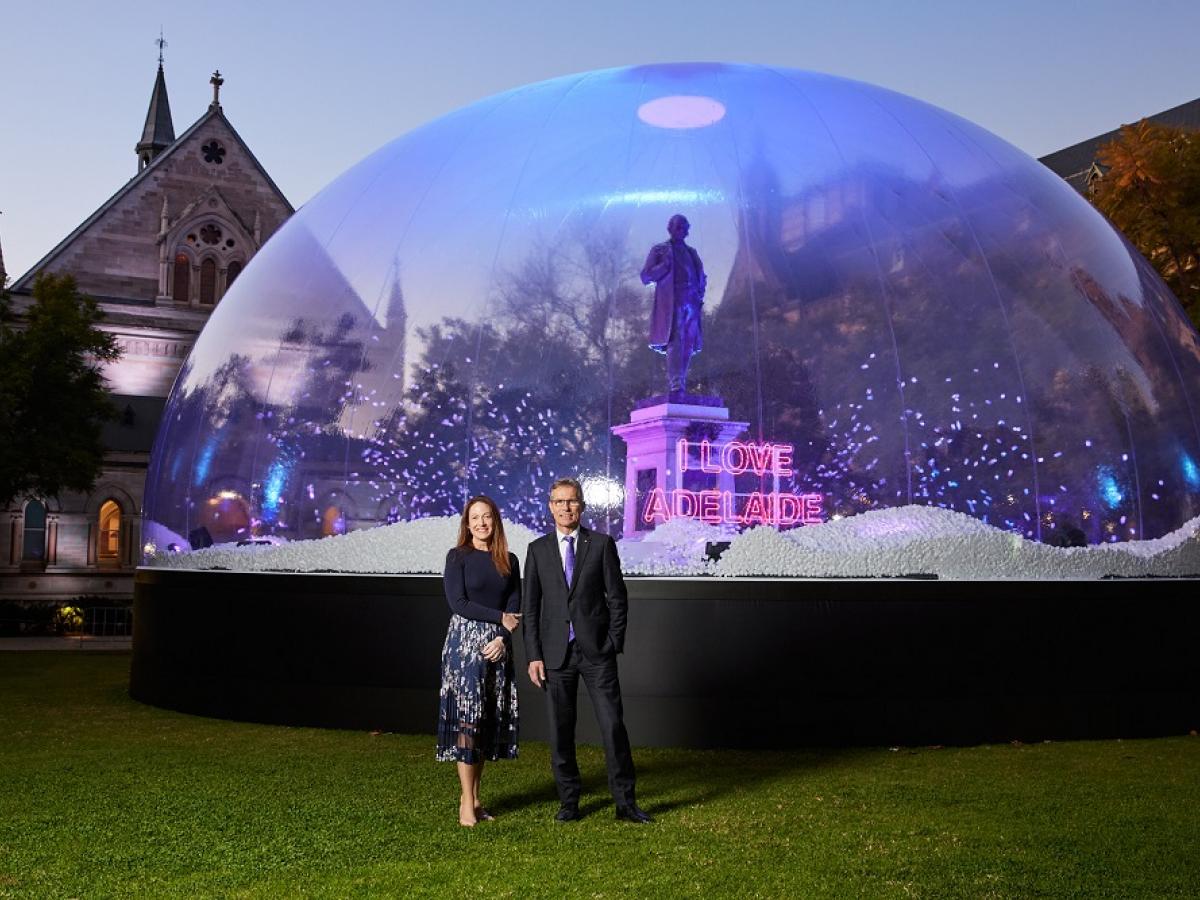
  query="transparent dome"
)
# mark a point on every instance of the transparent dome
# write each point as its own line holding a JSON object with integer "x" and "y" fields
{"x": 926, "y": 314}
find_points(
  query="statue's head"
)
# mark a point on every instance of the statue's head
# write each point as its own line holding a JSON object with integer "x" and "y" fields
{"x": 678, "y": 227}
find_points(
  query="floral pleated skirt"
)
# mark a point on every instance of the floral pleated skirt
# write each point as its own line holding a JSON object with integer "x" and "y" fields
{"x": 478, "y": 711}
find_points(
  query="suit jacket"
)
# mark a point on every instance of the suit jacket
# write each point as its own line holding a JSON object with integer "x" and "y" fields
{"x": 659, "y": 263}
{"x": 595, "y": 601}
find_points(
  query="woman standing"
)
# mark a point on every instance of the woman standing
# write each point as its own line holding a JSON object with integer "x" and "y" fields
{"x": 478, "y": 718}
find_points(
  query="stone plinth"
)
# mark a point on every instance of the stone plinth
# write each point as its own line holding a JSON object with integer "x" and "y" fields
{"x": 651, "y": 437}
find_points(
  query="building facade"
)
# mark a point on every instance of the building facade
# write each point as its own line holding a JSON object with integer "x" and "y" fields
{"x": 158, "y": 256}
{"x": 1079, "y": 164}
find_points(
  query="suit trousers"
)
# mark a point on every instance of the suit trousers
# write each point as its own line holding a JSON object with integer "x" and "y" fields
{"x": 604, "y": 690}
{"x": 685, "y": 338}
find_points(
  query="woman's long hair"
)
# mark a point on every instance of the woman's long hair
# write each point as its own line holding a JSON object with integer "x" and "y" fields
{"x": 497, "y": 543}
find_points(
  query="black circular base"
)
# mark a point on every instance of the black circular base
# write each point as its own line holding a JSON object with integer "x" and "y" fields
{"x": 707, "y": 663}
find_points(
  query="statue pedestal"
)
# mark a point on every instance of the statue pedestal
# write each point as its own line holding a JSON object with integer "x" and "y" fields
{"x": 652, "y": 435}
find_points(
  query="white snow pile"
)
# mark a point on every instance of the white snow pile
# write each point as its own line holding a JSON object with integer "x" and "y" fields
{"x": 677, "y": 547}
{"x": 406, "y": 547}
{"x": 929, "y": 540}
{"x": 906, "y": 540}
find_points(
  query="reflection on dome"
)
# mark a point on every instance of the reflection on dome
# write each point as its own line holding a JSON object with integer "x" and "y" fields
{"x": 927, "y": 315}
{"x": 682, "y": 112}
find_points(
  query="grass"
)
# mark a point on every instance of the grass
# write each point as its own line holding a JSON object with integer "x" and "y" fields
{"x": 101, "y": 796}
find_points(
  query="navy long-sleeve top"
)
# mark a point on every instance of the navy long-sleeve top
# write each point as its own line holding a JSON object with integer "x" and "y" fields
{"x": 475, "y": 590}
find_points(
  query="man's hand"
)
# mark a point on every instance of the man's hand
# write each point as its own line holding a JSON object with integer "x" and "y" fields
{"x": 537, "y": 673}
{"x": 511, "y": 621}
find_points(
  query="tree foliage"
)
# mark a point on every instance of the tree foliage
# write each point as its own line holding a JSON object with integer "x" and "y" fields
{"x": 1151, "y": 191}
{"x": 506, "y": 406}
{"x": 53, "y": 401}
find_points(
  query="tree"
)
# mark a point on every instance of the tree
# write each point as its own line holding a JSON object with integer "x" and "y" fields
{"x": 1151, "y": 192}
{"x": 508, "y": 404}
{"x": 53, "y": 401}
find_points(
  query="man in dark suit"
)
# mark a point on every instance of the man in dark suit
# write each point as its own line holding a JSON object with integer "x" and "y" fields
{"x": 574, "y": 620}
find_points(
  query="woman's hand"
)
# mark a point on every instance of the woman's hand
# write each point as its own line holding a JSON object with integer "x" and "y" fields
{"x": 510, "y": 621}
{"x": 494, "y": 650}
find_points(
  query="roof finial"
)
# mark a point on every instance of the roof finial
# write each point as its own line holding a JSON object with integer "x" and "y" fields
{"x": 161, "y": 43}
{"x": 216, "y": 81}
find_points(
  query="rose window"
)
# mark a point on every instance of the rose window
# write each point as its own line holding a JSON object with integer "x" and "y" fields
{"x": 213, "y": 152}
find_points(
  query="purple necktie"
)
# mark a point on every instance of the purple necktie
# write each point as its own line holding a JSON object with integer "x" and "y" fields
{"x": 569, "y": 571}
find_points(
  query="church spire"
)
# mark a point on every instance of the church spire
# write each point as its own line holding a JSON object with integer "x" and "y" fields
{"x": 158, "y": 132}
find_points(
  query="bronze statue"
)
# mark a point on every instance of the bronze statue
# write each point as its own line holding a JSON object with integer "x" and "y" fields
{"x": 679, "y": 283}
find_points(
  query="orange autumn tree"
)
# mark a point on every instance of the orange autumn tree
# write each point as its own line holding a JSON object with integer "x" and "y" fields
{"x": 1151, "y": 191}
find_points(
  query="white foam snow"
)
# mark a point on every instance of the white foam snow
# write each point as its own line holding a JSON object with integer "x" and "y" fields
{"x": 673, "y": 548}
{"x": 406, "y": 547}
{"x": 952, "y": 545}
{"x": 887, "y": 542}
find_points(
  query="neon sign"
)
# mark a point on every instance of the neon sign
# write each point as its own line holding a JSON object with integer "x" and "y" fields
{"x": 722, "y": 507}
{"x": 736, "y": 457}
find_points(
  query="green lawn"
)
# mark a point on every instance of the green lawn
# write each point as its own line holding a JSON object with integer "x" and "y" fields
{"x": 101, "y": 796}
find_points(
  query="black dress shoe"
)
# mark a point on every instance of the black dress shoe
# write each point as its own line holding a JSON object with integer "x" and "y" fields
{"x": 632, "y": 813}
{"x": 567, "y": 813}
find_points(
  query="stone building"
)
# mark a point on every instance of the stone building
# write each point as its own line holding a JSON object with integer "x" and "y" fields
{"x": 158, "y": 256}
{"x": 1079, "y": 165}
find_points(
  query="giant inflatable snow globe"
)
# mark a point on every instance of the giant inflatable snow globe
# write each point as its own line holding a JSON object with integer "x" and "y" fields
{"x": 912, "y": 332}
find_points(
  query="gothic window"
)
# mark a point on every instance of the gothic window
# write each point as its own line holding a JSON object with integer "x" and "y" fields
{"x": 333, "y": 521}
{"x": 208, "y": 282}
{"x": 210, "y": 234}
{"x": 225, "y": 517}
{"x": 182, "y": 285}
{"x": 213, "y": 152}
{"x": 234, "y": 270}
{"x": 108, "y": 548}
{"x": 34, "y": 549}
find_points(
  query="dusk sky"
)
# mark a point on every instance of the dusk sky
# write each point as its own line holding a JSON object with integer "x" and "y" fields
{"x": 314, "y": 87}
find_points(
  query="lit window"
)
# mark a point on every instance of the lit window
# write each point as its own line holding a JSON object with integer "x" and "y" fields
{"x": 332, "y": 522}
{"x": 108, "y": 546}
